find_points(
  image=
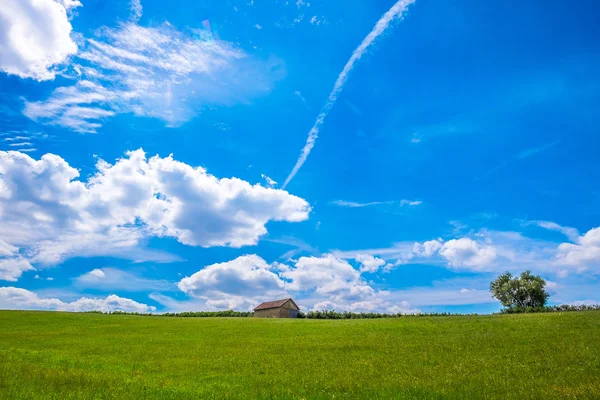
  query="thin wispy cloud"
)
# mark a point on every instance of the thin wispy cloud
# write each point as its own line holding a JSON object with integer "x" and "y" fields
{"x": 524, "y": 155}
{"x": 531, "y": 152}
{"x": 15, "y": 138}
{"x": 393, "y": 13}
{"x": 157, "y": 72}
{"x": 571, "y": 233}
{"x": 22, "y": 141}
{"x": 297, "y": 93}
{"x": 270, "y": 182}
{"x": 20, "y": 144}
{"x": 353, "y": 204}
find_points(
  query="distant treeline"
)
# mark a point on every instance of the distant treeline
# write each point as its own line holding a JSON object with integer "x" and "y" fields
{"x": 351, "y": 315}
{"x": 186, "y": 314}
{"x": 548, "y": 309}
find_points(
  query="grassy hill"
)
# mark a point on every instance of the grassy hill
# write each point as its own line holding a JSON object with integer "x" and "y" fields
{"x": 45, "y": 355}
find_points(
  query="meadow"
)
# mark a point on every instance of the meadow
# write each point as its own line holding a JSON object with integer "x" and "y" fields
{"x": 51, "y": 355}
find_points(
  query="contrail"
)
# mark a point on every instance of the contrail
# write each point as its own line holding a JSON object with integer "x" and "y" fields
{"x": 393, "y": 13}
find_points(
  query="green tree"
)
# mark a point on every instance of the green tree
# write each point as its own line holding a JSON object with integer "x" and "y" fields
{"x": 528, "y": 290}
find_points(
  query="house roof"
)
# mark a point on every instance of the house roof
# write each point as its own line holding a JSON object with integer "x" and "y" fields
{"x": 274, "y": 304}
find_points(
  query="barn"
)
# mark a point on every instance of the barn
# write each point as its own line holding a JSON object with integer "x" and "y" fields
{"x": 285, "y": 308}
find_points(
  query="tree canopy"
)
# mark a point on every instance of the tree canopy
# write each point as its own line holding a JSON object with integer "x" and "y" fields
{"x": 528, "y": 290}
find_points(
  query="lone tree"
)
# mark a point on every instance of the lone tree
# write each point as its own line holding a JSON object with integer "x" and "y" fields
{"x": 524, "y": 291}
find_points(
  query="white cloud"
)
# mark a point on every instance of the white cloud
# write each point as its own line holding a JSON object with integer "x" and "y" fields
{"x": 314, "y": 20}
{"x": 411, "y": 203}
{"x": 96, "y": 273}
{"x": 79, "y": 107}
{"x": 234, "y": 284}
{"x": 156, "y": 72}
{"x": 248, "y": 280}
{"x": 270, "y": 182}
{"x": 481, "y": 251}
{"x": 52, "y": 215}
{"x": 571, "y": 233}
{"x": 17, "y": 298}
{"x": 12, "y": 265}
{"x": 354, "y": 204}
{"x": 7, "y": 250}
{"x": 135, "y": 6}
{"x": 369, "y": 263}
{"x": 465, "y": 252}
{"x": 392, "y": 14}
{"x": 582, "y": 255}
{"x": 299, "y": 95}
{"x": 108, "y": 279}
{"x": 244, "y": 275}
{"x": 11, "y": 269}
{"x": 428, "y": 248}
{"x": 440, "y": 295}
{"x": 533, "y": 151}
{"x": 35, "y": 37}
{"x": 383, "y": 302}
{"x": 326, "y": 274}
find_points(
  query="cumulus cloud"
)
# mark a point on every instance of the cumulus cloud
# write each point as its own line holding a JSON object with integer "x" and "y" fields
{"x": 246, "y": 281}
{"x": 428, "y": 248}
{"x": 22, "y": 299}
{"x": 330, "y": 282}
{"x": 51, "y": 214}
{"x": 12, "y": 265}
{"x": 35, "y": 37}
{"x": 481, "y": 251}
{"x": 234, "y": 284}
{"x": 157, "y": 72}
{"x": 11, "y": 269}
{"x": 7, "y": 249}
{"x": 583, "y": 254}
{"x": 465, "y": 252}
{"x": 326, "y": 274}
{"x": 369, "y": 263}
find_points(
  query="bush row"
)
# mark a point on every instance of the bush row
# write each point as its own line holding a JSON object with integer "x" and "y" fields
{"x": 352, "y": 315}
{"x": 547, "y": 309}
{"x": 329, "y": 314}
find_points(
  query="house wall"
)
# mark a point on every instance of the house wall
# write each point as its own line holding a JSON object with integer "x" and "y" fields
{"x": 280, "y": 312}
{"x": 288, "y": 312}
{"x": 268, "y": 313}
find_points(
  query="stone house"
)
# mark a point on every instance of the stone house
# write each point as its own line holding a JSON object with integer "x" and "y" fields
{"x": 285, "y": 308}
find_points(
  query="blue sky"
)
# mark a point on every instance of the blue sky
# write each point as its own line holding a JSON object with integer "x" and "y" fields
{"x": 357, "y": 155}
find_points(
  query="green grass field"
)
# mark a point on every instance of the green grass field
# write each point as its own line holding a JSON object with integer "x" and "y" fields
{"x": 45, "y": 355}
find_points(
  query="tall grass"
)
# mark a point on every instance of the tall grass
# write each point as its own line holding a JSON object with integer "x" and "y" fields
{"x": 67, "y": 356}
